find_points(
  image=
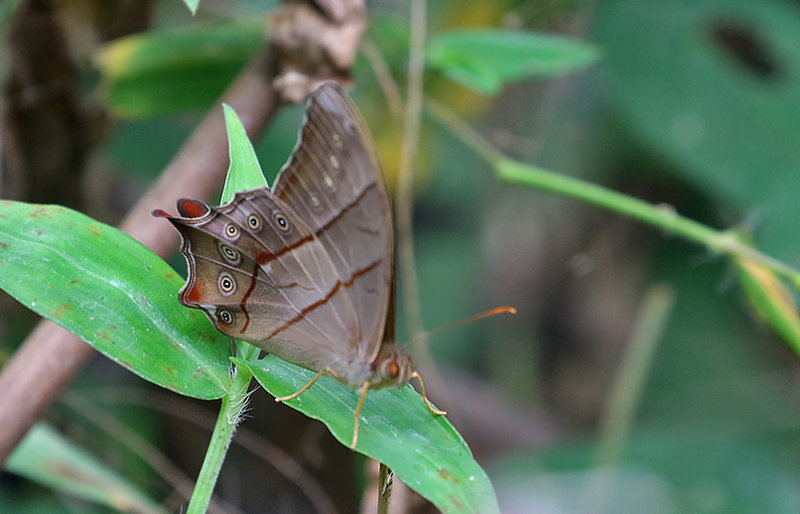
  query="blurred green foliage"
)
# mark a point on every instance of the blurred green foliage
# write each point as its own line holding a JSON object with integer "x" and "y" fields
{"x": 691, "y": 104}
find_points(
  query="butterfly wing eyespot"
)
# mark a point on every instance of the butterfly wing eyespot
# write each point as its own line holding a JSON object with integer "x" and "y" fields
{"x": 281, "y": 222}
{"x": 230, "y": 255}
{"x": 254, "y": 222}
{"x": 226, "y": 317}
{"x": 226, "y": 283}
{"x": 232, "y": 231}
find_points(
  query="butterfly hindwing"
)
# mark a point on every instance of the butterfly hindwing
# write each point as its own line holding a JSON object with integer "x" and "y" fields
{"x": 261, "y": 275}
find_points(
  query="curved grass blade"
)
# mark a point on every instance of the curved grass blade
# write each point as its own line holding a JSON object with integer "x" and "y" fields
{"x": 424, "y": 450}
{"x": 46, "y": 457}
{"x": 112, "y": 292}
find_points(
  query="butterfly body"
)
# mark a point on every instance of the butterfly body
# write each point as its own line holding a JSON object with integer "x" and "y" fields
{"x": 304, "y": 270}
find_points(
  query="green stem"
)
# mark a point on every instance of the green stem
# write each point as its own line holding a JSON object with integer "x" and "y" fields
{"x": 229, "y": 415}
{"x": 661, "y": 216}
{"x": 385, "y": 482}
{"x": 634, "y": 368}
{"x": 628, "y": 386}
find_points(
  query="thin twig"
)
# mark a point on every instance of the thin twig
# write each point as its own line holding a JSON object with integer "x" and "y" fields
{"x": 628, "y": 386}
{"x": 661, "y": 216}
{"x": 388, "y": 85}
{"x": 405, "y": 180}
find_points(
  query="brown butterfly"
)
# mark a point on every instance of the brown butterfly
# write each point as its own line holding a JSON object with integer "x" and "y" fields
{"x": 305, "y": 270}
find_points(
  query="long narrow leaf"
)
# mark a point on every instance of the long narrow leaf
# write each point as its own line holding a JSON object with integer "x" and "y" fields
{"x": 113, "y": 293}
{"x": 423, "y": 449}
{"x": 44, "y": 456}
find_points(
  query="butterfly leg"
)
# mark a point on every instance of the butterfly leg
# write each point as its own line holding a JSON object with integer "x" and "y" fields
{"x": 357, "y": 414}
{"x": 304, "y": 388}
{"x": 424, "y": 397}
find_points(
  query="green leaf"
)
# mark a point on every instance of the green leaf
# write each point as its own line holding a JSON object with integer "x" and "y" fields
{"x": 713, "y": 86}
{"x": 112, "y": 292}
{"x": 486, "y": 59}
{"x": 396, "y": 428}
{"x": 245, "y": 171}
{"x": 44, "y": 456}
{"x": 772, "y": 301}
{"x": 173, "y": 71}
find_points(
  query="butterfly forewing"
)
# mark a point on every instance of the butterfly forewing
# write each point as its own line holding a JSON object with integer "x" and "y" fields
{"x": 334, "y": 182}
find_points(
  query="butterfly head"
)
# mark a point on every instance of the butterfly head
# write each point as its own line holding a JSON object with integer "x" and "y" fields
{"x": 391, "y": 368}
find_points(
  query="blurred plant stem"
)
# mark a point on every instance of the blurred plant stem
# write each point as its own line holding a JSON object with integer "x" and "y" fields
{"x": 662, "y": 216}
{"x": 624, "y": 397}
{"x": 230, "y": 413}
{"x": 405, "y": 174}
{"x": 627, "y": 388}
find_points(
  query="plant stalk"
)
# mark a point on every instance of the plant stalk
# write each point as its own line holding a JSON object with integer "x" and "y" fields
{"x": 229, "y": 415}
{"x": 662, "y": 216}
{"x": 385, "y": 482}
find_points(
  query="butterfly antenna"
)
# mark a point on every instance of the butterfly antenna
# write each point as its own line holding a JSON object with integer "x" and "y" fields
{"x": 465, "y": 321}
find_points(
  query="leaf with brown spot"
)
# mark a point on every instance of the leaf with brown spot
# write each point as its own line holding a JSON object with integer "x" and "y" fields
{"x": 61, "y": 310}
{"x": 96, "y": 277}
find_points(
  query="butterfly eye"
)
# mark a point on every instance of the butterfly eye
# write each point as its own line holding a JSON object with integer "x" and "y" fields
{"x": 229, "y": 254}
{"x": 226, "y": 284}
{"x": 390, "y": 368}
{"x": 281, "y": 222}
{"x": 225, "y": 316}
{"x": 254, "y": 222}
{"x": 232, "y": 231}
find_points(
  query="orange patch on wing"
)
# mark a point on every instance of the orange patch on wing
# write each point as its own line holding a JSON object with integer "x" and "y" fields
{"x": 193, "y": 295}
{"x": 192, "y": 208}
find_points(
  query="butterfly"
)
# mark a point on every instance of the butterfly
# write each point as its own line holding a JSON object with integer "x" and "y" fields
{"x": 305, "y": 270}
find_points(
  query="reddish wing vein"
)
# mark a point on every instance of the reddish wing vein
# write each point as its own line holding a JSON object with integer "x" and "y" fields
{"x": 328, "y": 296}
